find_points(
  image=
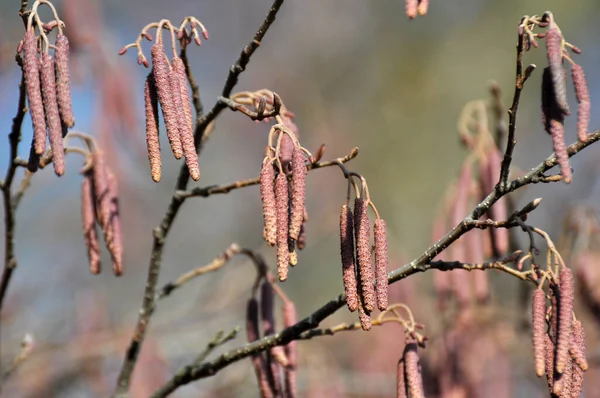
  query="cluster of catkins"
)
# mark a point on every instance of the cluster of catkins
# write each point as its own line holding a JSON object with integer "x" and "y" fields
{"x": 100, "y": 205}
{"x": 364, "y": 289}
{"x": 47, "y": 83}
{"x": 554, "y": 94}
{"x": 416, "y": 7}
{"x": 558, "y": 337}
{"x": 270, "y": 365}
{"x": 409, "y": 380}
{"x": 283, "y": 201}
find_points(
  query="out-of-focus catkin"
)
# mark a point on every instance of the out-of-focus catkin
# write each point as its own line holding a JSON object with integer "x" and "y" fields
{"x": 267, "y": 196}
{"x": 539, "y": 330}
{"x": 381, "y": 263}
{"x": 63, "y": 81}
{"x": 291, "y": 351}
{"x": 282, "y": 207}
{"x": 414, "y": 380}
{"x": 565, "y": 319}
{"x": 114, "y": 237}
{"x": 362, "y": 231}
{"x": 152, "y": 140}
{"x": 258, "y": 360}
{"x": 298, "y": 192}
{"x": 52, "y": 113}
{"x": 583, "y": 97}
{"x": 423, "y": 7}
{"x": 31, "y": 71}
{"x": 347, "y": 251}
{"x": 101, "y": 189}
{"x": 88, "y": 218}
{"x": 555, "y": 56}
{"x": 411, "y": 8}
{"x": 577, "y": 348}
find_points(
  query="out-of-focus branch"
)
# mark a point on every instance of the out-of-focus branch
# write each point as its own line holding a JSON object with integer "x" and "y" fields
{"x": 26, "y": 347}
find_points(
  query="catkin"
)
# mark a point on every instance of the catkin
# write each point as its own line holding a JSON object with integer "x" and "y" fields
{"x": 364, "y": 317}
{"x": 539, "y": 330}
{"x": 583, "y": 98}
{"x": 152, "y": 140}
{"x": 258, "y": 360}
{"x": 163, "y": 89}
{"x": 411, "y": 7}
{"x": 31, "y": 71}
{"x": 114, "y": 237}
{"x": 179, "y": 68}
{"x": 347, "y": 251}
{"x": 362, "y": 232}
{"x": 400, "y": 382}
{"x": 563, "y": 382}
{"x": 282, "y": 206}
{"x": 423, "y": 7}
{"x": 267, "y": 196}
{"x": 565, "y": 319}
{"x": 577, "y": 348}
{"x": 268, "y": 326}
{"x": 555, "y": 57}
{"x": 63, "y": 81}
{"x": 557, "y": 131}
{"x": 298, "y": 188}
{"x": 101, "y": 189}
{"x": 414, "y": 380}
{"x": 88, "y": 218}
{"x": 381, "y": 263}
{"x": 291, "y": 351}
{"x": 52, "y": 114}
{"x": 549, "y": 360}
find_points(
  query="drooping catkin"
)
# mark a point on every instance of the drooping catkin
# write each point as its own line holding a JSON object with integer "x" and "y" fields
{"x": 347, "y": 252}
{"x": 565, "y": 319}
{"x": 282, "y": 208}
{"x": 423, "y": 7}
{"x": 258, "y": 360}
{"x": 549, "y": 360}
{"x": 163, "y": 89}
{"x": 381, "y": 263}
{"x": 362, "y": 232}
{"x": 411, "y": 7}
{"x": 88, "y": 218}
{"x": 555, "y": 57}
{"x": 577, "y": 348}
{"x": 583, "y": 98}
{"x": 291, "y": 351}
{"x": 553, "y": 329}
{"x": 31, "y": 71}
{"x": 152, "y": 140}
{"x": 400, "y": 382}
{"x": 114, "y": 237}
{"x": 63, "y": 81}
{"x": 52, "y": 114}
{"x": 179, "y": 68}
{"x": 538, "y": 323}
{"x": 298, "y": 188}
{"x": 414, "y": 380}
{"x": 563, "y": 382}
{"x": 364, "y": 317}
{"x": 267, "y": 196}
{"x": 101, "y": 189}
{"x": 557, "y": 131}
{"x": 267, "y": 313}
{"x": 500, "y": 236}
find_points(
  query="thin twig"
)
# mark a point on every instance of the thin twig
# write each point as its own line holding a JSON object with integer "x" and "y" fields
{"x": 26, "y": 347}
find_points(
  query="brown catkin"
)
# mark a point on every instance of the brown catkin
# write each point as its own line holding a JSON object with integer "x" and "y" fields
{"x": 291, "y": 351}
{"x": 400, "y": 382}
{"x": 539, "y": 330}
{"x": 555, "y": 57}
{"x": 114, "y": 237}
{"x": 267, "y": 197}
{"x": 381, "y": 263}
{"x": 298, "y": 188}
{"x": 268, "y": 326}
{"x": 152, "y": 140}
{"x": 63, "y": 81}
{"x": 362, "y": 232}
{"x": 411, "y": 7}
{"x": 347, "y": 251}
{"x": 577, "y": 348}
{"x": 88, "y": 218}
{"x": 31, "y": 71}
{"x": 565, "y": 319}
{"x": 282, "y": 206}
{"x": 414, "y": 380}
{"x": 500, "y": 237}
{"x": 258, "y": 360}
{"x": 52, "y": 114}
{"x": 163, "y": 89}
{"x": 563, "y": 382}
{"x": 583, "y": 98}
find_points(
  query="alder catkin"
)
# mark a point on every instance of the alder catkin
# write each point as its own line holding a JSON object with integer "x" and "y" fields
{"x": 381, "y": 263}
{"x": 114, "y": 237}
{"x": 577, "y": 348}
{"x": 291, "y": 351}
{"x": 258, "y": 360}
{"x": 347, "y": 252}
{"x": 88, "y": 218}
{"x": 267, "y": 196}
{"x": 31, "y": 72}
{"x": 539, "y": 330}
{"x": 411, "y": 7}
{"x": 52, "y": 114}
{"x": 179, "y": 68}
{"x": 557, "y": 131}
{"x": 362, "y": 232}
{"x": 500, "y": 236}
{"x": 364, "y": 317}
{"x": 565, "y": 319}
{"x": 63, "y": 81}
{"x": 583, "y": 98}
{"x": 268, "y": 325}
{"x": 163, "y": 89}
{"x": 298, "y": 188}
{"x": 414, "y": 380}
{"x": 549, "y": 360}
{"x": 152, "y": 140}
{"x": 101, "y": 189}
{"x": 400, "y": 382}
{"x": 555, "y": 56}
{"x": 423, "y": 7}
{"x": 282, "y": 207}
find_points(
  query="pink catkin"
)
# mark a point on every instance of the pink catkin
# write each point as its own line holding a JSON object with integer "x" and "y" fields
{"x": 267, "y": 196}
{"x": 539, "y": 330}
{"x": 347, "y": 251}
{"x": 555, "y": 56}
{"x": 282, "y": 206}
{"x": 411, "y": 8}
{"x": 163, "y": 89}
{"x": 179, "y": 68}
{"x": 423, "y": 7}
{"x": 578, "y": 355}
{"x": 114, "y": 237}
{"x": 381, "y": 263}
{"x": 557, "y": 131}
{"x": 414, "y": 380}
{"x": 565, "y": 319}
{"x": 88, "y": 218}
{"x": 258, "y": 360}
{"x": 400, "y": 382}
{"x": 268, "y": 326}
{"x": 364, "y": 317}
{"x": 460, "y": 279}
{"x": 583, "y": 97}
{"x": 31, "y": 71}
{"x": 549, "y": 360}
{"x": 52, "y": 114}
{"x": 63, "y": 81}
{"x": 362, "y": 232}
{"x": 291, "y": 351}
{"x": 152, "y": 140}
{"x": 298, "y": 192}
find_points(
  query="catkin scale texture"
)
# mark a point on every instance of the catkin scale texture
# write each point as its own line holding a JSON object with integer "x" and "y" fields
{"x": 114, "y": 237}
{"x": 282, "y": 208}
{"x": 63, "y": 81}
{"x": 539, "y": 330}
{"x": 31, "y": 71}
{"x": 565, "y": 319}
{"x": 583, "y": 98}
{"x": 362, "y": 231}
{"x": 411, "y": 8}
{"x": 152, "y": 140}
{"x": 52, "y": 114}
{"x": 291, "y": 351}
{"x": 267, "y": 196}
{"x": 179, "y": 68}
{"x": 413, "y": 376}
{"x": 298, "y": 188}
{"x": 554, "y": 54}
{"x": 347, "y": 252}
{"x": 381, "y": 263}
{"x": 88, "y": 218}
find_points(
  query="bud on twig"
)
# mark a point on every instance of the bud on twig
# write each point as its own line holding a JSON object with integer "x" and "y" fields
{"x": 298, "y": 192}
{"x": 267, "y": 196}
{"x": 52, "y": 114}
{"x": 539, "y": 330}
{"x": 63, "y": 81}
{"x": 88, "y": 218}
{"x": 282, "y": 206}
{"x": 347, "y": 251}
{"x": 565, "y": 319}
{"x": 381, "y": 263}
{"x": 31, "y": 72}
{"x": 362, "y": 231}
{"x": 152, "y": 140}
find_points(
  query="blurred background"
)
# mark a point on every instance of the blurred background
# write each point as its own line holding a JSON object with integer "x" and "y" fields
{"x": 355, "y": 73}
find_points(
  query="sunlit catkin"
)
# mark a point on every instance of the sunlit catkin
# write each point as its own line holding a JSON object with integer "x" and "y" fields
{"x": 555, "y": 56}
{"x": 52, "y": 114}
{"x": 583, "y": 97}
{"x": 298, "y": 192}
{"x": 539, "y": 330}
{"x": 414, "y": 380}
{"x": 152, "y": 140}
{"x": 267, "y": 196}
{"x": 31, "y": 71}
{"x": 381, "y": 263}
{"x": 63, "y": 81}
{"x": 565, "y": 319}
{"x": 282, "y": 208}
{"x": 88, "y": 218}
{"x": 347, "y": 251}
{"x": 362, "y": 232}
